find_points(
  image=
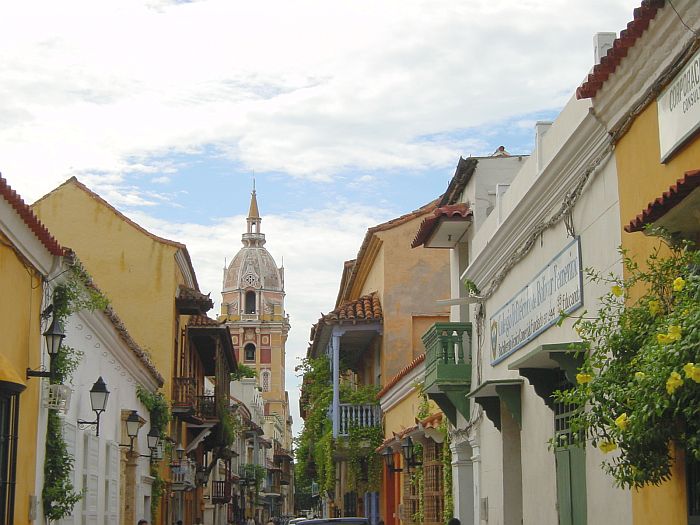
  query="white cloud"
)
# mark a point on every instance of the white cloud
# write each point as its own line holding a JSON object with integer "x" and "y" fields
{"x": 314, "y": 245}
{"x": 306, "y": 88}
{"x": 160, "y": 180}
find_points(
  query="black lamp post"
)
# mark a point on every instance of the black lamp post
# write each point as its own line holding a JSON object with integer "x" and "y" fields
{"x": 54, "y": 336}
{"x": 153, "y": 438}
{"x": 98, "y": 400}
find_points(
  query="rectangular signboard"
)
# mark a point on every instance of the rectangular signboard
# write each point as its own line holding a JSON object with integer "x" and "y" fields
{"x": 679, "y": 108}
{"x": 557, "y": 288}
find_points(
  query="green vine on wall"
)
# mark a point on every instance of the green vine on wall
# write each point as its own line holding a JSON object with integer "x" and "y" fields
{"x": 158, "y": 408}
{"x": 58, "y": 494}
{"x": 243, "y": 371}
{"x": 448, "y": 508}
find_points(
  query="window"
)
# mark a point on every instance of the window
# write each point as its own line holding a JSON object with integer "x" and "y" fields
{"x": 250, "y": 302}
{"x": 265, "y": 380}
{"x": 250, "y": 352}
{"x": 9, "y": 417}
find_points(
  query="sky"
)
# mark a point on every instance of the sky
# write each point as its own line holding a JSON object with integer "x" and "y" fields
{"x": 347, "y": 114}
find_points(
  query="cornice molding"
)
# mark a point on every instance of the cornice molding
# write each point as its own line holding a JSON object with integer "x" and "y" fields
{"x": 588, "y": 141}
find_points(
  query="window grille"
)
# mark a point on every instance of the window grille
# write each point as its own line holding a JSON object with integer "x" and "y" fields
{"x": 432, "y": 483}
{"x": 693, "y": 479}
{"x": 9, "y": 418}
{"x": 265, "y": 380}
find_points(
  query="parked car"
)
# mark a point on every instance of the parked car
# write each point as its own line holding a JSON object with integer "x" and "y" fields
{"x": 334, "y": 521}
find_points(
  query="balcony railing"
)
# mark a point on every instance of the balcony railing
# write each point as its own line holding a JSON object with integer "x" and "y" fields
{"x": 206, "y": 407}
{"x": 184, "y": 393}
{"x": 220, "y": 491}
{"x": 448, "y": 367}
{"x": 358, "y": 416}
{"x": 183, "y": 475}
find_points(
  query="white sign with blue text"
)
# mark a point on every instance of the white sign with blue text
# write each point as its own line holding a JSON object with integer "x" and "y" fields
{"x": 557, "y": 288}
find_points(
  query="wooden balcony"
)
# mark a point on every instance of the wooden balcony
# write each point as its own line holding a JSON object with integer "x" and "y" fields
{"x": 358, "y": 416}
{"x": 448, "y": 367}
{"x": 220, "y": 492}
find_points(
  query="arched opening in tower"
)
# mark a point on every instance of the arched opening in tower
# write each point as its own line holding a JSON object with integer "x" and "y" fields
{"x": 250, "y": 302}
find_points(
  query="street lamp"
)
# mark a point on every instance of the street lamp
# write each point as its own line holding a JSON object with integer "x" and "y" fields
{"x": 153, "y": 439}
{"x": 388, "y": 456}
{"x": 409, "y": 453}
{"x": 54, "y": 336}
{"x": 98, "y": 400}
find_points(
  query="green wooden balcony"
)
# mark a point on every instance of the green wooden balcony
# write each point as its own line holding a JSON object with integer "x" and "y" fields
{"x": 448, "y": 368}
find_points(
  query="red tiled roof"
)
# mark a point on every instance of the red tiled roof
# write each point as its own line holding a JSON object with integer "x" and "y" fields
{"x": 662, "y": 205}
{"x": 202, "y": 320}
{"x": 643, "y": 15}
{"x": 366, "y": 308}
{"x": 402, "y": 373}
{"x": 432, "y": 421}
{"x": 27, "y": 215}
{"x": 427, "y": 227}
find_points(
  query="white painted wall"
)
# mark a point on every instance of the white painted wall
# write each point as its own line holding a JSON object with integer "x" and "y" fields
{"x": 104, "y": 354}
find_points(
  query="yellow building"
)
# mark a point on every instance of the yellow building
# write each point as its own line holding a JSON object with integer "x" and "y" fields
{"x": 645, "y": 91}
{"x": 29, "y": 258}
{"x": 386, "y": 302}
{"x": 152, "y": 285}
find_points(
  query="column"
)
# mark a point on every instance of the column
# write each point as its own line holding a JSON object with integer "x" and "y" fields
{"x": 463, "y": 482}
{"x": 335, "y": 343}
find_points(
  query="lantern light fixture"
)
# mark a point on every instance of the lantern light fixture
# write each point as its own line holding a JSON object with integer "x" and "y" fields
{"x": 388, "y": 456}
{"x": 98, "y": 401}
{"x": 54, "y": 336}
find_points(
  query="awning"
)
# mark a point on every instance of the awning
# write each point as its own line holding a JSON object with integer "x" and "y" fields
{"x": 677, "y": 209}
{"x": 546, "y": 365}
{"x": 489, "y": 395}
{"x": 10, "y": 379}
{"x": 445, "y": 227}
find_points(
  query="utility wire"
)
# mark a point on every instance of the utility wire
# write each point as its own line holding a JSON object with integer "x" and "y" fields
{"x": 681, "y": 19}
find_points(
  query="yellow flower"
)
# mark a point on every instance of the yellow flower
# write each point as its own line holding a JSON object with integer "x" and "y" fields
{"x": 582, "y": 379}
{"x": 639, "y": 375}
{"x": 688, "y": 369}
{"x": 678, "y": 284}
{"x": 622, "y": 421}
{"x": 692, "y": 372}
{"x": 616, "y": 290}
{"x": 673, "y": 382}
{"x": 607, "y": 446}
{"x": 663, "y": 339}
{"x": 654, "y": 307}
{"x": 674, "y": 332}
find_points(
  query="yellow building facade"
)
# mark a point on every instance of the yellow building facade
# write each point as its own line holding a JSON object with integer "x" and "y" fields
{"x": 29, "y": 258}
{"x": 148, "y": 279}
{"x": 644, "y": 93}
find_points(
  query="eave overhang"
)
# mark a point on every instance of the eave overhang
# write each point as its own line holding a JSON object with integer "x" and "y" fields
{"x": 445, "y": 227}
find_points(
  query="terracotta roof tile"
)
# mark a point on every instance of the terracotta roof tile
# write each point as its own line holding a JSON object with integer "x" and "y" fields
{"x": 402, "y": 373}
{"x": 366, "y": 308}
{"x": 643, "y": 15}
{"x": 202, "y": 320}
{"x": 432, "y": 421}
{"x": 31, "y": 220}
{"x": 450, "y": 211}
{"x": 668, "y": 199}
{"x": 192, "y": 301}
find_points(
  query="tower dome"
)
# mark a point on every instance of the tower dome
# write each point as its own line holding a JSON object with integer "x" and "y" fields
{"x": 253, "y": 267}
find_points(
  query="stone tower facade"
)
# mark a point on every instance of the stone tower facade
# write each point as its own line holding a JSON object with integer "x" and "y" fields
{"x": 253, "y": 308}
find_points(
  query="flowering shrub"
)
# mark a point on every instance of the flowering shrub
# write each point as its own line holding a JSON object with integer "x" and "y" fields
{"x": 640, "y": 379}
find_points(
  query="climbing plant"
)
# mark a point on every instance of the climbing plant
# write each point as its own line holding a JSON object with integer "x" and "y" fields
{"x": 446, "y": 457}
{"x": 75, "y": 293}
{"x": 640, "y": 379}
{"x": 158, "y": 408}
{"x": 243, "y": 371}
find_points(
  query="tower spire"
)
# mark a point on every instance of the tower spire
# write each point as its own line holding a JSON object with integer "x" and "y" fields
{"x": 254, "y": 219}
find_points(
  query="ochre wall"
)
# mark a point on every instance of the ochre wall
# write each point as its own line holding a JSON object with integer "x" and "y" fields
{"x": 20, "y": 312}
{"x": 642, "y": 178}
{"x": 137, "y": 272}
{"x": 411, "y": 281}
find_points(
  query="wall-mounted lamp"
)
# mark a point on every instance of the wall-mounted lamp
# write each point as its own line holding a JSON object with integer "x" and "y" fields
{"x": 98, "y": 400}
{"x": 54, "y": 337}
{"x": 133, "y": 424}
{"x": 409, "y": 454}
{"x": 388, "y": 456}
{"x": 201, "y": 476}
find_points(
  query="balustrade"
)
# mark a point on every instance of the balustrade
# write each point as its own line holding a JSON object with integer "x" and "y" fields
{"x": 182, "y": 475}
{"x": 221, "y": 491}
{"x": 357, "y": 416}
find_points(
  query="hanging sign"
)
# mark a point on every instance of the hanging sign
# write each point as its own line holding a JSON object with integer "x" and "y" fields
{"x": 557, "y": 288}
{"x": 679, "y": 108}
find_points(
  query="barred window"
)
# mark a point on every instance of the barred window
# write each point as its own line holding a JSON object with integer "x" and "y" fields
{"x": 433, "y": 483}
{"x": 9, "y": 418}
{"x": 265, "y": 379}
